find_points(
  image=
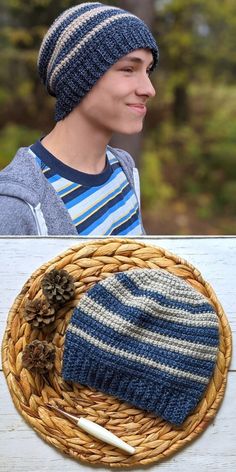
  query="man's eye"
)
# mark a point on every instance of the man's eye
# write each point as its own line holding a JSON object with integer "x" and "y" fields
{"x": 127, "y": 70}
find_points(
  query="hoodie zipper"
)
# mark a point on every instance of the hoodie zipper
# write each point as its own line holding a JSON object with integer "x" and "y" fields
{"x": 39, "y": 219}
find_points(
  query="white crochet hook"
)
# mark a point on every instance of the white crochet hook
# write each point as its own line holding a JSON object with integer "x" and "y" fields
{"x": 96, "y": 430}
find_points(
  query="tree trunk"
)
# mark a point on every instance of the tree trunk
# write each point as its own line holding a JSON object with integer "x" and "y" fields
{"x": 181, "y": 108}
{"x": 145, "y": 11}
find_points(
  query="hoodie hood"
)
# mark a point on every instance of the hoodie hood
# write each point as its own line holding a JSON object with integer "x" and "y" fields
{"x": 21, "y": 178}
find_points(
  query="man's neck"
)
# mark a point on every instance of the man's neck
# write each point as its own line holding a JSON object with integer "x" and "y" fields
{"x": 77, "y": 145}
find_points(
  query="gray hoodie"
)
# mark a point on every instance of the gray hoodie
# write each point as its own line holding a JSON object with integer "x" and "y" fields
{"x": 29, "y": 205}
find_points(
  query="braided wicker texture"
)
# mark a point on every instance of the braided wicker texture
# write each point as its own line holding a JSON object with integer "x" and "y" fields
{"x": 153, "y": 438}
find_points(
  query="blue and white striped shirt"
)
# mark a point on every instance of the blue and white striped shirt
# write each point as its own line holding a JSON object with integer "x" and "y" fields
{"x": 101, "y": 204}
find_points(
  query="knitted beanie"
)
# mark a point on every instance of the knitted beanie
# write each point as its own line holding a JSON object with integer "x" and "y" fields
{"x": 82, "y": 44}
{"x": 146, "y": 337}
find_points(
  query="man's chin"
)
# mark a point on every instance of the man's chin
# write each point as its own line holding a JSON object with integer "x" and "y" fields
{"x": 129, "y": 130}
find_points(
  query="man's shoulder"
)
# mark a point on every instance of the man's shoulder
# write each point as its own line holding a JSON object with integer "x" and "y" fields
{"x": 19, "y": 163}
{"x": 22, "y": 177}
{"x": 123, "y": 156}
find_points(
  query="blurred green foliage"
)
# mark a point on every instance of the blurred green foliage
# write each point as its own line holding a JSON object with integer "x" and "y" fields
{"x": 200, "y": 153}
{"x": 14, "y": 136}
{"x": 188, "y": 168}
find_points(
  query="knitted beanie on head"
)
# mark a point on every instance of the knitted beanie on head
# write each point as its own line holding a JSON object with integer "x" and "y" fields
{"x": 82, "y": 44}
{"x": 146, "y": 337}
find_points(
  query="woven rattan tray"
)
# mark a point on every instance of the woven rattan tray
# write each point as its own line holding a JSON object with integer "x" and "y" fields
{"x": 153, "y": 438}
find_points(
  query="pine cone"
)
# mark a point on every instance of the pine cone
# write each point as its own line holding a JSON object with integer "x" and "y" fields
{"x": 58, "y": 286}
{"x": 38, "y": 356}
{"x": 39, "y": 313}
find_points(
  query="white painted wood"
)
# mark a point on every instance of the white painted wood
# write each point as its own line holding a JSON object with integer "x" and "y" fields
{"x": 22, "y": 450}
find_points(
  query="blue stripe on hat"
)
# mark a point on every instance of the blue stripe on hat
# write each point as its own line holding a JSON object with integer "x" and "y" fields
{"x": 130, "y": 344}
{"x": 130, "y": 366}
{"x": 168, "y": 328}
{"x": 130, "y": 285}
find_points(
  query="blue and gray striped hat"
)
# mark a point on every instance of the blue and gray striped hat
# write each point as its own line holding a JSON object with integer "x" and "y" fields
{"x": 82, "y": 44}
{"x": 147, "y": 337}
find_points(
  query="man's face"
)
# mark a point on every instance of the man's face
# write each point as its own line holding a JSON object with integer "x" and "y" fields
{"x": 117, "y": 101}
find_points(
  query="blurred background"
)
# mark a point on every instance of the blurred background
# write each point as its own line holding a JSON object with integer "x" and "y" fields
{"x": 186, "y": 153}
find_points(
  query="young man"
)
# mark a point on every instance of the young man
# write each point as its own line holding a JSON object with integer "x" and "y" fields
{"x": 96, "y": 61}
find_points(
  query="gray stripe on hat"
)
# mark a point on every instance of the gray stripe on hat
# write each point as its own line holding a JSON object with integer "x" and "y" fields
{"x": 85, "y": 40}
{"x": 104, "y": 316}
{"x": 56, "y": 24}
{"x": 70, "y": 30}
{"x": 168, "y": 285}
{"x": 137, "y": 358}
{"x": 178, "y": 315}
{"x": 171, "y": 285}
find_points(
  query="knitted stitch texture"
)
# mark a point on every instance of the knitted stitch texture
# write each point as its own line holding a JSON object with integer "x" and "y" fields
{"x": 147, "y": 337}
{"x": 82, "y": 44}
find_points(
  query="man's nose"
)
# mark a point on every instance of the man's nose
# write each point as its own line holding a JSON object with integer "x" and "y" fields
{"x": 145, "y": 87}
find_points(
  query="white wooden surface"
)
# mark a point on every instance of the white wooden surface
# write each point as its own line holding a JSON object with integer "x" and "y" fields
{"x": 22, "y": 450}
